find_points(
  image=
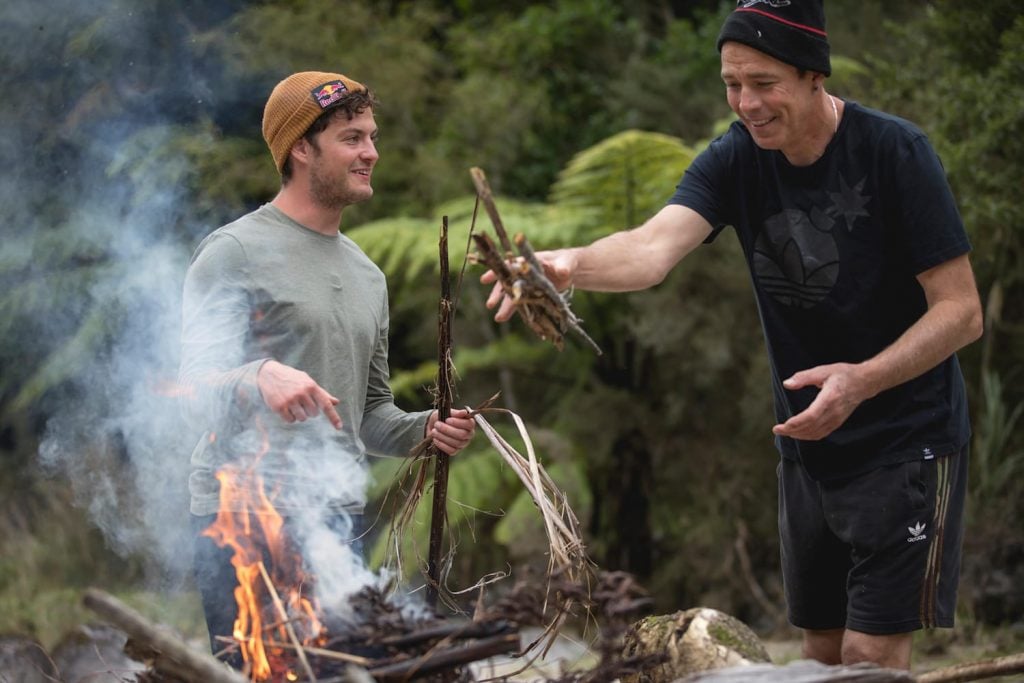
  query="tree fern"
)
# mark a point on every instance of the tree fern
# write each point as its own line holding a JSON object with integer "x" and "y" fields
{"x": 626, "y": 178}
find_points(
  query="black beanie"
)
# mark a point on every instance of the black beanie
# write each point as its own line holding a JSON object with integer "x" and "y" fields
{"x": 792, "y": 31}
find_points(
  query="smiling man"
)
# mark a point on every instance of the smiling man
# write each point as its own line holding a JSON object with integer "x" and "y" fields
{"x": 285, "y": 337}
{"x": 859, "y": 262}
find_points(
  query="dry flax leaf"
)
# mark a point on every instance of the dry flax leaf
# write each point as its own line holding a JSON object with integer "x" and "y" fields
{"x": 566, "y": 553}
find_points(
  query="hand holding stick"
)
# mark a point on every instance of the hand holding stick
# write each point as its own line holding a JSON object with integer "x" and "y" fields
{"x": 545, "y": 310}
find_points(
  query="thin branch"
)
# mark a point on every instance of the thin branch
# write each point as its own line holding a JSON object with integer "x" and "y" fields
{"x": 287, "y": 623}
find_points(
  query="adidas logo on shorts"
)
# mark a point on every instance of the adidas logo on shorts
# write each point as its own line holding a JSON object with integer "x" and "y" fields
{"x": 916, "y": 533}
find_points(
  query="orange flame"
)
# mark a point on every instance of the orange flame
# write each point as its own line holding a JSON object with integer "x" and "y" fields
{"x": 249, "y": 523}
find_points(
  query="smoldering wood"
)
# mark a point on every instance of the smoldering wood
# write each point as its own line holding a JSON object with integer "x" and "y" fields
{"x": 179, "y": 658}
{"x": 538, "y": 302}
{"x": 168, "y": 655}
{"x": 310, "y": 650}
{"x": 470, "y": 629}
{"x": 441, "y": 659}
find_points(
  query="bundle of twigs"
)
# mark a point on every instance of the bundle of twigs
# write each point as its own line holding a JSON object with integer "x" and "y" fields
{"x": 522, "y": 277}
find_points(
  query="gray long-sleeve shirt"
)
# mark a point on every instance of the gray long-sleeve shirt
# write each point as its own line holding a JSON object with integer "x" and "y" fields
{"x": 265, "y": 287}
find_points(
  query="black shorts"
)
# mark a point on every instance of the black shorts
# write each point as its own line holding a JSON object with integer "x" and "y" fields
{"x": 877, "y": 553}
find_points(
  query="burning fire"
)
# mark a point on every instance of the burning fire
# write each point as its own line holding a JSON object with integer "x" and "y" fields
{"x": 272, "y": 593}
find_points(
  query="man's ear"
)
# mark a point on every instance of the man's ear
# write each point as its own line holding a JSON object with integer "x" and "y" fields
{"x": 301, "y": 151}
{"x": 817, "y": 80}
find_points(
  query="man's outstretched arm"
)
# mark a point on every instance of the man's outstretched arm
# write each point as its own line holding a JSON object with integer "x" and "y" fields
{"x": 624, "y": 261}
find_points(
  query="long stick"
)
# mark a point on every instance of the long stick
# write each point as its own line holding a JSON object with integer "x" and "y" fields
{"x": 444, "y": 405}
{"x": 975, "y": 671}
{"x": 483, "y": 190}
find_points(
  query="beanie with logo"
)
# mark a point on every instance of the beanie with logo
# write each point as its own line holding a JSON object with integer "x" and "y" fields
{"x": 792, "y": 31}
{"x": 295, "y": 103}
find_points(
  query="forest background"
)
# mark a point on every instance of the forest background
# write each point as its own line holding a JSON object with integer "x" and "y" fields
{"x": 130, "y": 130}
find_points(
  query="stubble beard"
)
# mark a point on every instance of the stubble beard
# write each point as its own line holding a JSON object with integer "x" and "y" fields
{"x": 330, "y": 193}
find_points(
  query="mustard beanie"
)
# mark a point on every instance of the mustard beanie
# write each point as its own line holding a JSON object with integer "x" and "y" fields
{"x": 295, "y": 103}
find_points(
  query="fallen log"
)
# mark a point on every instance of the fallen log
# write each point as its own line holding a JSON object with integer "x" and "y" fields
{"x": 802, "y": 671}
{"x": 975, "y": 671}
{"x": 185, "y": 660}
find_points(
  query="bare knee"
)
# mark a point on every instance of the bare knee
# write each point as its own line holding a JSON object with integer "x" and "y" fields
{"x": 888, "y": 651}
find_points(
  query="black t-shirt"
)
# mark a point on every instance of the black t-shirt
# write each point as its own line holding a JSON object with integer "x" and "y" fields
{"x": 834, "y": 249}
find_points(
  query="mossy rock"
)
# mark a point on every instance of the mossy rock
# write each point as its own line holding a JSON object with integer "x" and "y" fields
{"x": 698, "y": 639}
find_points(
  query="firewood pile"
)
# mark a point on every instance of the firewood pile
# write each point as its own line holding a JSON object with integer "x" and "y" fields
{"x": 394, "y": 646}
{"x": 383, "y": 642}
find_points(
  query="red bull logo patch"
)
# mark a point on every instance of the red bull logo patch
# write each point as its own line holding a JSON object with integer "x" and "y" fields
{"x": 329, "y": 93}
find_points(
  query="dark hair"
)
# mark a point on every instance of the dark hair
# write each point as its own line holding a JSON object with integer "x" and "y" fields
{"x": 351, "y": 105}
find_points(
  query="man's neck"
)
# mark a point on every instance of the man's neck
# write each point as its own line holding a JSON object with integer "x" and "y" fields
{"x": 824, "y": 127}
{"x": 295, "y": 204}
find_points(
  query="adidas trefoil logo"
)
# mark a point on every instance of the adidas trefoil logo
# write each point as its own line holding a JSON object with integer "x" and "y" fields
{"x": 916, "y": 533}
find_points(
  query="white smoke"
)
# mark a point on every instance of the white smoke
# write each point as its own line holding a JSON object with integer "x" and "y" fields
{"x": 117, "y": 436}
{"x": 115, "y": 431}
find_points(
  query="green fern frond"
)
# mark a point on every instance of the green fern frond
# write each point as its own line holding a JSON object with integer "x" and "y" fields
{"x": 399, "y": 246}
{"x": 406, "y": 249}
{"x": 509, "y": 351}
{"x": 626, "y": 178}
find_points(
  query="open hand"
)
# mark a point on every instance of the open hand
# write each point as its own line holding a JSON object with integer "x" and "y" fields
{"x": 842, "y": 390}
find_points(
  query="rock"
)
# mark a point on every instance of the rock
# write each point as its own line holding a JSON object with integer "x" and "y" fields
{"x": 695, "y": 640}
{"x": 94, "y": 653}
{"x": 24, "y": 660}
